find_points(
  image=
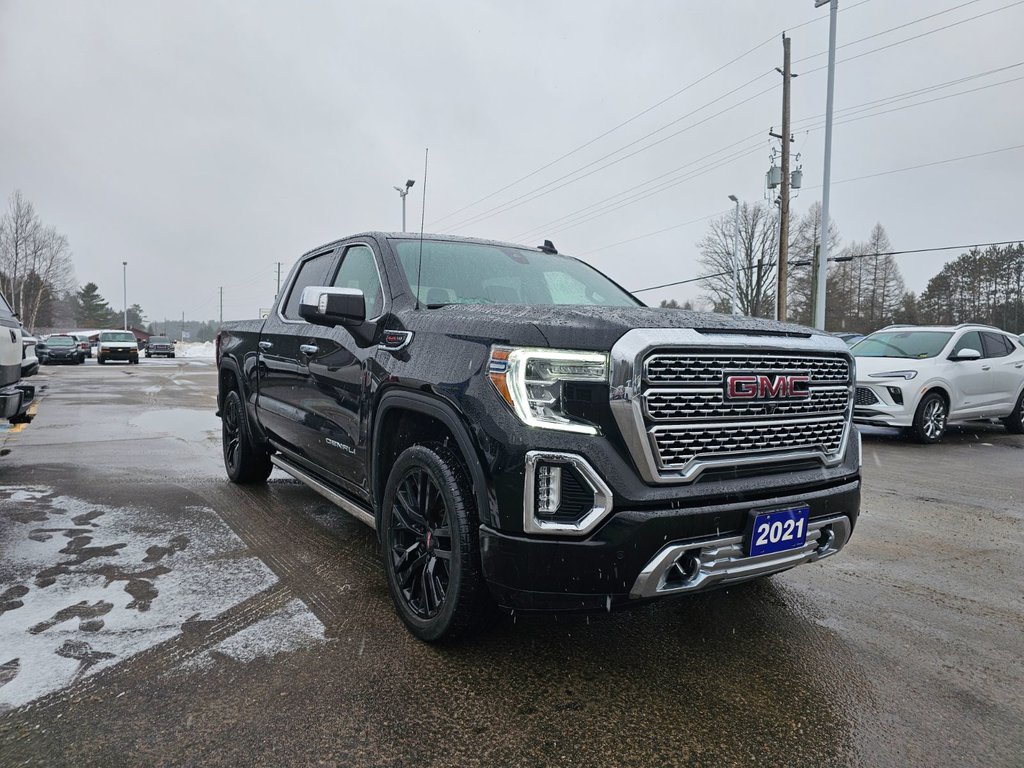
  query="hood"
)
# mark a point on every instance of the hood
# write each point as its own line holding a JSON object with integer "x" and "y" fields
{"x": 869, "y": 365}
{"x": 577, "y": 326}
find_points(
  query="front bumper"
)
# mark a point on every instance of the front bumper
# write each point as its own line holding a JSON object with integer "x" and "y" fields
{"x": 118, "y": 354}
{"x": 630, "y": 557}
{"x": 885, "y": 402}
{"x": 14, "y": 401}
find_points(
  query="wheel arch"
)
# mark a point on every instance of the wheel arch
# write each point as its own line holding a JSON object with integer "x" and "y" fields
{"x": 404, "y": 418}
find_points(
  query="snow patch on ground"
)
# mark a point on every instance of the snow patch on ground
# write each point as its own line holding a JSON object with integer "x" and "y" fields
{"x": 84, "y": 586}
{"x": 293, "y": 628}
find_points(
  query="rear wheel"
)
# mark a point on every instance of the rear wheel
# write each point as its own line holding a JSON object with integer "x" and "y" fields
{"x": 244, "y": 461}
{"x": 431, "y": 549}
{"x": 101, "y": 361}
{"x": 1015, "y": 421}
{"x": 930, "y": 418}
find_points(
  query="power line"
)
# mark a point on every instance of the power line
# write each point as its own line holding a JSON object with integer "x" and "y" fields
{"x": 915, "y": 37}
{"x": 891, "y": 29}
{"x": 835, "y": 259}
{"x": 638, "y": 115}
{"x": 541, "y": 191}
{"x": 924, "y": 165}
{"x": 658, "y": 232}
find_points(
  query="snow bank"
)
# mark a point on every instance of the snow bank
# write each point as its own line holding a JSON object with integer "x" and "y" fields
{"x": 195, "y": 349}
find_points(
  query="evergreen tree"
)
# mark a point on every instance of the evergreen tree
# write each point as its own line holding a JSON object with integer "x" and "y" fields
{"x": 95, "y": 312}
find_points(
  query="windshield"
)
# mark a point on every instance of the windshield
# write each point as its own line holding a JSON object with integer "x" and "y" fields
{"x": 909, "y": 344}
{"x": 125, "y": 336}
{"x": 477, "y": 273}
{"x": 159, "y": 340}
{"x": 60, "y": 341}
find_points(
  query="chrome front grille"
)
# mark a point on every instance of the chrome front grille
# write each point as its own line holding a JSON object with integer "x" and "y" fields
{"x": 698, "y": 368}
{"x": 704, "y": 404}
{"x": 677, "y": 446}
{"x": 693, "y": 417}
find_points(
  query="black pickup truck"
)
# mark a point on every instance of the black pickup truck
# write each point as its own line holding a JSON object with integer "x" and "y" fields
{"x": 520, "y": 430}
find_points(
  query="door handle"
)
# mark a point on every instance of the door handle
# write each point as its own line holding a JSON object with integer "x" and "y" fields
{"x": 986, "y": 367}
{"x": 265, "y": 345}
{"x": 309, "y": 349}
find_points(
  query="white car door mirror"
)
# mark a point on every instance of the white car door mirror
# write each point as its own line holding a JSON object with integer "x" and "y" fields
{"x": 966, "y": 354}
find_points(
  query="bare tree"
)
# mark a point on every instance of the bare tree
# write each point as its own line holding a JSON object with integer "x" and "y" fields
{"x": 35, "y": 260}
{"x": 758, "y": 253}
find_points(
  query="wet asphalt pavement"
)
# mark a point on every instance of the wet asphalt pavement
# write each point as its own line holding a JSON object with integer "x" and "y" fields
{"x": 151, "y": 613}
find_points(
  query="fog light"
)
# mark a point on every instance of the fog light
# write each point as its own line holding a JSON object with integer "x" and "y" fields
{"x": 549, "y": 489}
{"x": 896, "y": 394}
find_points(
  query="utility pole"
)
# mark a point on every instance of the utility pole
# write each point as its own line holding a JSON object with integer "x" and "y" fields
{"x": 821, "y": 269}
{"x": 124, "y": 278}
{"x": 736, "y": 257}
{"x": 222, "y": 305}
{"x": 402, "y": 193}
{"x": 278, "y": 293}
{"x": 785, "y": 138}
{"x": 183, "y": 327}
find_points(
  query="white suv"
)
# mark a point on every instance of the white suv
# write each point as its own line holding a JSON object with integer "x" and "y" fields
{"x": 925, "y": 377}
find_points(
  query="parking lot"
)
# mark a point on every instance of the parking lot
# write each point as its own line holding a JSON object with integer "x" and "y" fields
{"x": 152, "y": 613}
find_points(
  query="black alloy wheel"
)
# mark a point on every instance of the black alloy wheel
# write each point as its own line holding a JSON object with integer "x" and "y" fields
{"x": 243, "y": 461}
{"x": 431, "y": 550}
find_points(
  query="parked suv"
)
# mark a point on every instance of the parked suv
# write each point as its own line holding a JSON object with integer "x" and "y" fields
{"x": 117, "y": 345}
{"x": 923, "y": 378}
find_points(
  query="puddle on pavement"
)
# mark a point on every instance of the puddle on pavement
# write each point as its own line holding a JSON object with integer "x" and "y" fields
{"x": 185, "y": 423}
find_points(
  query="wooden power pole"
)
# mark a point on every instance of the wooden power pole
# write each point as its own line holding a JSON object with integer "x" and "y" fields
{"x": 785, "y": 139}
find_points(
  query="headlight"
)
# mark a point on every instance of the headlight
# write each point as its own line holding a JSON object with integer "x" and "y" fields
{"x": 531, "y": 382}
{"x": 908, "y": 375}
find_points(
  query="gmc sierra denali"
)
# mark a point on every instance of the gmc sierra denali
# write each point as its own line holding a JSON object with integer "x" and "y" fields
{"x": 521, "y": 430}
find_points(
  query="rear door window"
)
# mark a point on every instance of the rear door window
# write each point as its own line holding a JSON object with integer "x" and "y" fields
{"x": 996, "y": 345}
{"x": 313, "y": 271}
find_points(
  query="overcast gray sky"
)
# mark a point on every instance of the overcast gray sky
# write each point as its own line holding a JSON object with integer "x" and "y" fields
{"x": 203, "y": 142}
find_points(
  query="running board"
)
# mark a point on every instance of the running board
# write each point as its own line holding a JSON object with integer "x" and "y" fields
{"x": 358, "y": 512}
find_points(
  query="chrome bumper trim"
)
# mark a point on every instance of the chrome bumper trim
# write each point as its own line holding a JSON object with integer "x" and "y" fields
{"x": 699, "y": 565}
{"x": 602, "y": 495}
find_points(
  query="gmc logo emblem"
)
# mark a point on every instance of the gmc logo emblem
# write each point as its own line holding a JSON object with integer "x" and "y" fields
{"x": 761, "y": 386}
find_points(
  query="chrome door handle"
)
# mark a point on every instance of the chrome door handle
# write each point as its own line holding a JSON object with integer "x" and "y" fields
{"x": 308, "y": 349}
{"x": 265, "y": 345}
{"x": 986, "y": 367}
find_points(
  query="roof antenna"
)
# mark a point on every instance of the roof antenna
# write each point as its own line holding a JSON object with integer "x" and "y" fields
{"x": 423, "y": 216}
{"x": 548, "y": 247}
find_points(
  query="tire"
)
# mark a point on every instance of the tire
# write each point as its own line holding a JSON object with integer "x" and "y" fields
{"x": 101, "y": 361}
{"x": 431, "y": 547}
{"x": 930, "y": 419}
{"x": 244, "y": 461}
{"x": 1015, "y": 421}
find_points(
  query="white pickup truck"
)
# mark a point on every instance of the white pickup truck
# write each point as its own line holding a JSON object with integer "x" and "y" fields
{"x": 15, "y": 395}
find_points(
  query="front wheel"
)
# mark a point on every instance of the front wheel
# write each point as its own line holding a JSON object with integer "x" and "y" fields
{"x": 1015, "y": 421}
{"x": 930, "y": 418}
{"x": 244, "y": 461}
{"x": 431, "y": 550}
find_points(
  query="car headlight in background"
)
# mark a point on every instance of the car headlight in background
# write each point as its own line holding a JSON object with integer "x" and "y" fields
{"x": 531, "y": 381}
{"x": 908, "y": 375}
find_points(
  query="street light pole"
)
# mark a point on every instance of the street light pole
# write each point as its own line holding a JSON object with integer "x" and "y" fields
{"x": 124, "y": 280}
{"x": 402, "y": 194}
{"x": 736, "y": 257}
{"x": 821, "y": 268}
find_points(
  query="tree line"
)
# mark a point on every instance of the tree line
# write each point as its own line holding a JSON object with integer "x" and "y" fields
{"x": 864, "y": 287}
{"x": 37, "y": 276}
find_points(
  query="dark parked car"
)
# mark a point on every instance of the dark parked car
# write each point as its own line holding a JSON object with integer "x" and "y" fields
{"x": 159, "y": 346}
{"x": 60, "y": 349}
